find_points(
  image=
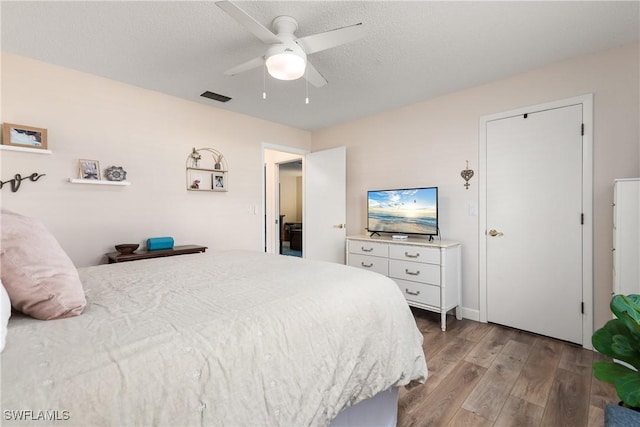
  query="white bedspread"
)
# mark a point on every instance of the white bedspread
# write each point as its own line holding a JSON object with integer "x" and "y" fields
{"x": 237, "y": 338}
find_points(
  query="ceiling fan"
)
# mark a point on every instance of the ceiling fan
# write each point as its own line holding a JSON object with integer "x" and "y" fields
{"x": 286, "y": 56}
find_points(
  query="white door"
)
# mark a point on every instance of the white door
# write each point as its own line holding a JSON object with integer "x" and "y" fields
{"x": 324, "y": 205}
{"x": 534, "y": 225}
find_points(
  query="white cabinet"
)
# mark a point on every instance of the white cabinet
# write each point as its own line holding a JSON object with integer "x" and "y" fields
{"x": 427, "y": 273}
{"x": 626, "y": 236}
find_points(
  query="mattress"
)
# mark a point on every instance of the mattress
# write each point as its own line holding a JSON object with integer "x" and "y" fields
{"x": 235, "y": 338}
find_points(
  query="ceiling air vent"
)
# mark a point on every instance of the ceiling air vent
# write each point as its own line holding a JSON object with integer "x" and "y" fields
{"x": 215, "y": 96}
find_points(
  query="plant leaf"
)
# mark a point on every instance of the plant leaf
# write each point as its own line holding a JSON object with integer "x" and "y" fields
{"x": 626, "y": 349}
{"x": 605, "y": 342}
{"x": 628, "y": 388}
{"x": 620, "y": 339}
{"x": 610, "y": 372}
{"x": 627, "y": 309}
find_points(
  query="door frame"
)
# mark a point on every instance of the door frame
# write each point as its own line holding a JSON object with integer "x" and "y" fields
{"x": 587, "y": 204}
{"x": 284, "y": 149}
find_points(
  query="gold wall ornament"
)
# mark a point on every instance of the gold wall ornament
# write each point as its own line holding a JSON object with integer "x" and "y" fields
{"x": 466, "y": 175}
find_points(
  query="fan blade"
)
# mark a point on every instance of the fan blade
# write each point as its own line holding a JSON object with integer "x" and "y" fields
{"x": 329, "y": 39}
{"x": 245, "y": 66}
{"x": 247, "y": 21}
{"x": 313, "y": 76}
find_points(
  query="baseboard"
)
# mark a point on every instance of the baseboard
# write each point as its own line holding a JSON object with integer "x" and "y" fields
{"x": 471, "y": 314}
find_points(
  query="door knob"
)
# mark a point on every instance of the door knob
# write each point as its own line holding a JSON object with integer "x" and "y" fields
{"x": 339, "y": 226}
{"x": 494, "y": 233}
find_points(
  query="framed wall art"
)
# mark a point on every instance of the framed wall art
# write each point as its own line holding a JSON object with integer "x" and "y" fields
{"x": 217, "y": 182}
{"x": 89, "y": 169}
{"x": 24, "y": 136}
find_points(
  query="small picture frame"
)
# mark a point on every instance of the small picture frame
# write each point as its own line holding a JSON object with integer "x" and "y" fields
{"x": 24, "y": 136}
{"x": 88, "y": 169}
{"x": 217, "y": 182}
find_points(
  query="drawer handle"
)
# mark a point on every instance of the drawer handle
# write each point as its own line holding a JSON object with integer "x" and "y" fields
{"x": 411, "y": 273}
{"x": 408, "y": 255}
{"x": 412, "y": 293}
{"x": 365, "y": 249}
{"x": 366, "y": 265}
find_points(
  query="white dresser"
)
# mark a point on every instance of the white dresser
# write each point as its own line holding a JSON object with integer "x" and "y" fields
{"x": 427, "y": 273}
{"x": 626, "y": 236}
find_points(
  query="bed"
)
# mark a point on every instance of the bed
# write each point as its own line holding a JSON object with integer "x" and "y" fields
{"x": 234, "y": 338}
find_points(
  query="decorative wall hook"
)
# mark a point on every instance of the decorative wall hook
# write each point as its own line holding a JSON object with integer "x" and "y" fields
{"x": 466, "y": 175}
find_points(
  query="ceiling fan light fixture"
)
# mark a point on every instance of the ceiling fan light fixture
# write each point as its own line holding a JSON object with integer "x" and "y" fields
{"x": 285, "y": 63}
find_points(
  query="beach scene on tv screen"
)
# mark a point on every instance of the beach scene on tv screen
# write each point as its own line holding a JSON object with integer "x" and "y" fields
{"x": 403, "y": 211}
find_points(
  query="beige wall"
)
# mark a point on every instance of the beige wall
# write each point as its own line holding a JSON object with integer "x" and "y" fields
{"x": 428, "y": 143}
{"x": 291, "y": 195}
{"x": 150, "y": 135}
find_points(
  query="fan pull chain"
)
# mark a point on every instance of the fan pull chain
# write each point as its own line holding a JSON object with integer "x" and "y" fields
{"x": 306, "y": 100}
{"x": 264, "y": 80}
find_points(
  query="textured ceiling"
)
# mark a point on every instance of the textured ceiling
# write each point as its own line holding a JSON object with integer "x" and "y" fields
{"x": 412, "y": 51}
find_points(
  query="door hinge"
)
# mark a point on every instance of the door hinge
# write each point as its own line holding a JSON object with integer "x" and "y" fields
{"x": 582, "y": 307}
{"x": 581, "y": 219}
{"x": 582, "y": 129}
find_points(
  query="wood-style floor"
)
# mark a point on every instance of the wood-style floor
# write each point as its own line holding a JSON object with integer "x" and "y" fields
{"x": 488, "y": 375}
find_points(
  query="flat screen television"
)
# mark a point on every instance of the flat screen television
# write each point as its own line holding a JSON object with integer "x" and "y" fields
{"x": 403, "y": 211}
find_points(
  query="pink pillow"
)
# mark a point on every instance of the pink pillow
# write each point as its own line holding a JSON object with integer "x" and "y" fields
{"x": 38, "y": 275}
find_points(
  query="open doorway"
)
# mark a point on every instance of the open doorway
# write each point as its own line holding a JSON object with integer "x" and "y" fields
{"x": 323, "y": 200}
{"x": 290, "y": 207}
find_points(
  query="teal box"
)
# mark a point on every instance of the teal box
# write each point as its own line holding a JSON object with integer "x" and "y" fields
{"x": 156, "y": 243}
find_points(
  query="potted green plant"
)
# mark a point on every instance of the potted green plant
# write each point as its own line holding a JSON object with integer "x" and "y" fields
{"x": 620, "y": 339}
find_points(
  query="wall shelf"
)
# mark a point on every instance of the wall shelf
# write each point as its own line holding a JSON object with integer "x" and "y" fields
{"x": 207, "y": 171}
{"x": 24, "y": 149}
{"x": 98, "y": 182}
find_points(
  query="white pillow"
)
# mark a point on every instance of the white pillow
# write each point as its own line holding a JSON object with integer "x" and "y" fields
{"x": 5, "y": 313}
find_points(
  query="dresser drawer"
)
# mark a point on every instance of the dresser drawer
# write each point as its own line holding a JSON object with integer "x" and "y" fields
{"x": 415, "y": 253}
{"x": 418, "y": 267}
{"x": 414, "y": 271}
{"x": 368, "y": 262}
{"x": 369, "y": 248}
{"x": 420, "y": 292}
